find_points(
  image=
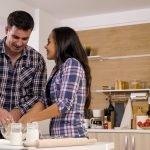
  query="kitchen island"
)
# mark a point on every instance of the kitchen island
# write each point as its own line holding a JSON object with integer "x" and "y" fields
{"x": 5, "y": 145}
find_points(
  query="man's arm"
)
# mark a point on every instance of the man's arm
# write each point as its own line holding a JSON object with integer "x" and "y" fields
{"x": 37, "y": 88}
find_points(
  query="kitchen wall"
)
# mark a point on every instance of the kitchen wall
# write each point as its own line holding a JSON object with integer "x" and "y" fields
{"x": 117, "y": 41}
{"x": 7, "y": 7}
{"x": 106, "y": 34}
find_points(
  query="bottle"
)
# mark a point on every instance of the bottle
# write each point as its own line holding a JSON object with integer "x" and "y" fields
{"x": 111, "y": 112}
{"x": 109, "y": 122}
{"x": 105, "y": 124}
{"x": 148, "y": 112}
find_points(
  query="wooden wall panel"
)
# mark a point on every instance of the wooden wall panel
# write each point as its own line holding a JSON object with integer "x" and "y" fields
{"x": 117, "y": 41}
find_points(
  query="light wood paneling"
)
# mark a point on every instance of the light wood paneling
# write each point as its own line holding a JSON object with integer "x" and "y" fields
{"x": 117, "y": 41}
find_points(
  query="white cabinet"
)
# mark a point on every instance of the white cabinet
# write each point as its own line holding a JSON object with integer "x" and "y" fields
{"x": 124, "y": 141}
{"x": 140, "y": 141}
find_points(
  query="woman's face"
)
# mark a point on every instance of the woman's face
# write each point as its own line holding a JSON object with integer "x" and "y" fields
{"x": 51, "y": 48}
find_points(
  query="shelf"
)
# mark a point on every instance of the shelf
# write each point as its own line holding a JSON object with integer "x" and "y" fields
{"x": 116, "y": 57}
{"x": 126, "y": 90}
{"x": 94, "y": 57}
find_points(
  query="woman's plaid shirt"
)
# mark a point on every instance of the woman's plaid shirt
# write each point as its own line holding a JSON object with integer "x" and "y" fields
{"x": 68, "y": 91}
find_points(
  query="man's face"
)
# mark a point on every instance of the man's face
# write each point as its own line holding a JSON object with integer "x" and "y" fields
{"x": 16, "y": 39}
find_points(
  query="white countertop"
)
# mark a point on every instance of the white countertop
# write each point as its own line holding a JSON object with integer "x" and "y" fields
{"x": 5, "y": 145}
{"x": 118, "y": 131}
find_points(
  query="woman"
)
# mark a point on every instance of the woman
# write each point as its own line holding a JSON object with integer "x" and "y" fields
{"x": 68, "y": 88}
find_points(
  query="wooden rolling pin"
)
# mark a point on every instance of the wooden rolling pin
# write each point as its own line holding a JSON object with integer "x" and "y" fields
{"x": 64, "y": 142}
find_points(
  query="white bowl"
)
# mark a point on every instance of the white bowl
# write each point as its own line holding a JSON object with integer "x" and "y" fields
{"x": 7, "y": 131}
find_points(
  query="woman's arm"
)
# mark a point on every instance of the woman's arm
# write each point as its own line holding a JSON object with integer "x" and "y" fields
{"x": 35, "y": 109}
{"x": 37, "y": 113}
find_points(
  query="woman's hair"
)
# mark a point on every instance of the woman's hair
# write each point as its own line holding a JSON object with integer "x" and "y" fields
{"x": 68, "y": 45}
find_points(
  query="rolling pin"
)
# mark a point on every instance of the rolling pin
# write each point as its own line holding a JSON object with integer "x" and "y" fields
{"x": 63, "y": 142}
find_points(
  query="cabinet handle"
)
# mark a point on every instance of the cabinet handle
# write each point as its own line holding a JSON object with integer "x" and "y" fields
{"x": 133, "y": 143}
{"x": 126, "y": 142}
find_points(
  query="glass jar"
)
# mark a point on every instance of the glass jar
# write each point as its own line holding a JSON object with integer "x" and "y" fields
{"x": 135, "y": 84}
{"x": 32, "y": 133}
{"x": 16, "y": 134}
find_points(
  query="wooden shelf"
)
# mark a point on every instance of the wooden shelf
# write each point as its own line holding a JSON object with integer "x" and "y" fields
{"x": 101, "y": 58}
{"x": 94, "y": 57}
{"x": 126, "y": 90}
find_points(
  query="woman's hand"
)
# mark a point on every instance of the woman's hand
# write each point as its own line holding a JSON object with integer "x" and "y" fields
{"x": 27, "y": 118}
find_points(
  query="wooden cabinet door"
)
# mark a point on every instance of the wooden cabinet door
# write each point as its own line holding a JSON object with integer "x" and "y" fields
{"x": 121, "y": 140}
{"x": 140, "y": 141}
{"x": 125, "y": 141}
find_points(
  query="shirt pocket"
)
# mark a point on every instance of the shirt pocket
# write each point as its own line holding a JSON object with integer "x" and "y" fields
{"x": 26, "y": 76}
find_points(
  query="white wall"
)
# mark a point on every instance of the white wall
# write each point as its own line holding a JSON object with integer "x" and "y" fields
{"x": 6, "y": 7}
{"x": 47, "y": 23}
{"x": 109, "y": 20}
{"x": 5, "y": 10}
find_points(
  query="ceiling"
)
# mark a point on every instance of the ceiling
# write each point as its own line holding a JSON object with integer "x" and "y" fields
{"x": 63, "y": 9}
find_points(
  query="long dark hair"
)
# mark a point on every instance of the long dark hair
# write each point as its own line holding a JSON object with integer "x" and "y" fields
{"x": 68, "y": 45}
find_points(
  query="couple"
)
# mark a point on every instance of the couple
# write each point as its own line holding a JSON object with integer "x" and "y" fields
{"x": 23, "y": 78}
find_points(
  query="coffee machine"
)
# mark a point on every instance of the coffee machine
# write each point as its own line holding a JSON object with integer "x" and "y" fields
{"x": 96, "y": 122}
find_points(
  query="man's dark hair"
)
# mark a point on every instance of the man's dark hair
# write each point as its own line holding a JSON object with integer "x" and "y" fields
{"x": 21, "y": 20}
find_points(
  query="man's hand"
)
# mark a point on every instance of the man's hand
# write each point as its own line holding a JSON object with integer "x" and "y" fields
{"x": 16, "y": 114}
{"x": 5, "y": 117}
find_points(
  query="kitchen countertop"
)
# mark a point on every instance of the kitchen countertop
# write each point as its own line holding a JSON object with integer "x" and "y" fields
{"x": 5, "y": 145}
{"x": 118, "y": 131}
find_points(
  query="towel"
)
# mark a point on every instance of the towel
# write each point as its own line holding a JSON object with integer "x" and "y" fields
{"x": 127, "y": 117}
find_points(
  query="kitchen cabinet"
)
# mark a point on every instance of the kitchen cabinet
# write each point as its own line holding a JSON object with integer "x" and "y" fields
{"x": 124, "y": 141}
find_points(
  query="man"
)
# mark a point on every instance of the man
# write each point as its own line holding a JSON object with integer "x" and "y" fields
{"x": 22, "y": 69}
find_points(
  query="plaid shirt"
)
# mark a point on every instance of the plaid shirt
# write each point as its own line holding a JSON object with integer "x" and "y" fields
{"x": 21, "y": 85}
{"x": 68, "y": 91}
